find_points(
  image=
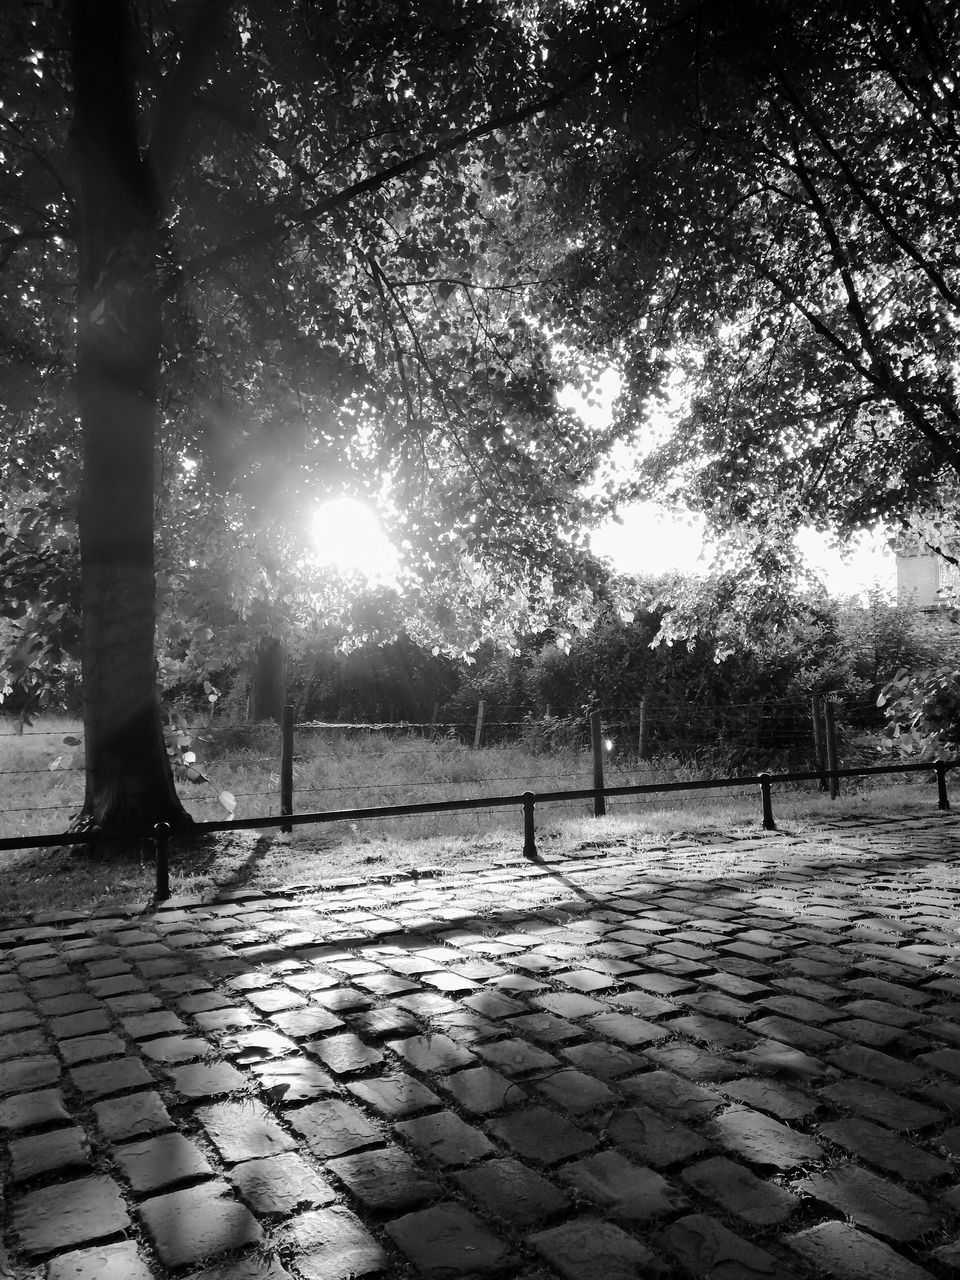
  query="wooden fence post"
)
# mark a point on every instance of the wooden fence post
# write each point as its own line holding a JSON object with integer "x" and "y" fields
{"x": 642, "y": 731}
{"x": 596, "y": 738}
{"x": 829, "y": 711}
{"x": 816, "y": 717}
{"x": 286, "y": 765}
{"x": 478, "y": 732}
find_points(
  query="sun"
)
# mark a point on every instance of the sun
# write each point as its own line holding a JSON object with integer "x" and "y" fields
{"x": 348, "y": 537}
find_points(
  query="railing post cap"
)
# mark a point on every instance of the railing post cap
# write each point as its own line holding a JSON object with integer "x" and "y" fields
{"x": 161, "y": 830}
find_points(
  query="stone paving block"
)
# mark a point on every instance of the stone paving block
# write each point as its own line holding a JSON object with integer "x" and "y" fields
{"x": 712, "y": 1031}
{"x": 159, "y": 1162}
{"x": 257, "y": 1045}
{"x": 510, "y": 1190}
{"x": 332, "y": 1244}
{"x": 333, "y": 1128}
{"x": 516, "y": 1057}
{"x": 886, "y": 1108}
{"x": 159, "y": 1022}
{"x": 198, "y": 1222}
{"x": 69, "y": 1213}
{"x": 306, "y": 1022}
{"x": 858, "y": 1060}
{"x": 89, "y": 1023}
{"x": 446, "y": 1138}
{"x": 134, "y": 1116}
{"x": 879, "y": 1147}
{"x": 385, "y": 1179}
{"x": 395, "y": 1095}
{"x": 345, "y": 1054}
{"x": 870, "y": 1201}
{"x": 18, "y": 1074}
{"x": 693, "y": 1062}
{"x": 653, "y": 1139}
{"x": 624, "y": 1191}
{"x": 121, "y": 1261}
{"x": 59, "y": 1006}
{"x": 177, "y": 1048}
{"x": 569, "y": 1004}
{"x": 91, "y": 1048}
{"x": 386, "y": 1023}
{"x": 199, "y": 1080}
{"x": 281, "y": 1184}
{"x": 117, "y": 1075}
{"x": 447, "y": 1240}
{"x": 602, "y": 1059}
{"x": 758, "y": 1202}
{"x": 60, "y": 1149}
{"x": 767, "y": 1095}
{"x": 714, "y": 1004}
{"x": 770, "y": 1057}
{"x": 243, "y": 1130}
{"x": 672, "y": 1095}
{"x": 481, "y": 1091}
{"x": 275, "y": 999}
{"x": 544, "y": 1028}
{"x": 576, "y": 1093}
{"x": 541, "y": 1135}
{"x": 628, "y": 1030}
{"x": 289, "y": 1080}
{"x": 798, "y": 1035}
{"x": 706, "y": 1248}
{"x": 588, "y": 1249}
{"x": 842, "y": 1252}
{"x": 428, "y": 1053}
{"x": 23, "y": 1044}
{"x": 761, "y": 1140}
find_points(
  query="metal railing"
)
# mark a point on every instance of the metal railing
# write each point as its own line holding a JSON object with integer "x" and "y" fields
{"x": 161, "y": 832}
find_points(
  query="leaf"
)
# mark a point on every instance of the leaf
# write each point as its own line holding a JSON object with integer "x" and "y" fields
{"x": 228, "y": 800}
{"x": 70, "y": 741}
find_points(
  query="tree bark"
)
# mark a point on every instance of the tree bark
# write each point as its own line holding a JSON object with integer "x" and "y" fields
{"x": 129, "y": 783}
{"x": 268, "y": 691}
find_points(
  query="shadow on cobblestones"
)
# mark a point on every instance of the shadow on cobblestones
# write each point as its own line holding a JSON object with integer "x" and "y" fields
{"x": 721, "y": 1061}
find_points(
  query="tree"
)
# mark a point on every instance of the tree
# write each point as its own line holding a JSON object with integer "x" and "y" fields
{"x": 777, "y": 236}
{"x": 247, "y": 205}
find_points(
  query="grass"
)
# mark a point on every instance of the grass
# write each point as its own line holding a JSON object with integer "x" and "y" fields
{"x": 344, "y": 770}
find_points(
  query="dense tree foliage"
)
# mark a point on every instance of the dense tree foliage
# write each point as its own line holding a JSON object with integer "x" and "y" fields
{"x": 771, "y": 231}
{"x": 273, "y": 247}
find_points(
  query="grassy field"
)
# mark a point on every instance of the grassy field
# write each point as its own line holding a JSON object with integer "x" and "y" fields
{"x": 346, "y": 770}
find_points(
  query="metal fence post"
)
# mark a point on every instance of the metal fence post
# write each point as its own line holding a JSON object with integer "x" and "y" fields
{"x": 529, "y": 838}
{"x": 830, "y": 715}
{"x": 286, "y": 765}
{"x": 596, "y": 738}
{"x": 161, "y": 850}
{"x": 767, "y": 805}
{"x": 943, "y": 800}
{"x": 816, "y": 717}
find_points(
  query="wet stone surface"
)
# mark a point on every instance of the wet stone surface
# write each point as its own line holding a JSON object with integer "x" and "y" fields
{"x": 708, "y": 1061}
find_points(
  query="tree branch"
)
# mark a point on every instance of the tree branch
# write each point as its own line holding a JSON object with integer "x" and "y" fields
{"x": 276, "y": 226}
{"x": 176, "y": 100}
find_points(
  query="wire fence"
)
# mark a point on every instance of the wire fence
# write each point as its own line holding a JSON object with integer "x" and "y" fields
{"x": 234, "y": 767}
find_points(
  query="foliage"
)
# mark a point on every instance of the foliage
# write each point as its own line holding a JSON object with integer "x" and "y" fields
{"x": 923, "y": 713}
{"x": 775, "y": 232}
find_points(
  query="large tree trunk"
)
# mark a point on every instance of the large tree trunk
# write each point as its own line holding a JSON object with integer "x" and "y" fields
{"x": 269, "y": 688}
{"x": 128, "y": 777}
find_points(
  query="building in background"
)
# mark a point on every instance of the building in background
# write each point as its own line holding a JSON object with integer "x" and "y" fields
{"x": 922, "y": 575}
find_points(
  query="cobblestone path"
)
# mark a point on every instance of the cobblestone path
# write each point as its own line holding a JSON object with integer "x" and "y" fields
{"x": 731, "y": 1060}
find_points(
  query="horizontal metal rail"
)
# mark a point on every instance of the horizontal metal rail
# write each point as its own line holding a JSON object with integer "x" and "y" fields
{"x": 160, "y": 833}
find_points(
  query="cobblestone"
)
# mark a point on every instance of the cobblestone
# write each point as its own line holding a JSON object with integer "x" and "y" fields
{"x": 390, "y": 1079}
